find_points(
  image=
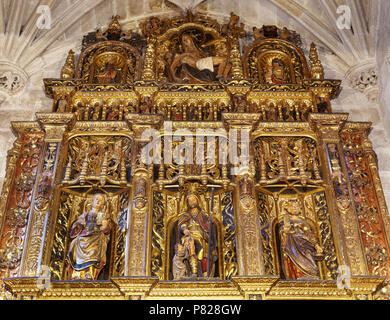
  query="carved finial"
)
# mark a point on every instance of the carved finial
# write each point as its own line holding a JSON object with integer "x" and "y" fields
{"x": 190, "y": 15}
{"x": 232, "y": 29}
{"x": 99, "y": 35}
{"x": 114, "y": 29}
{"x": 317, "y": 70}
{"x": 114, "y": 25}
{"x": 68, "y": 70}
{"x": 284, "y": 34}
{"x": 258, "y": 33}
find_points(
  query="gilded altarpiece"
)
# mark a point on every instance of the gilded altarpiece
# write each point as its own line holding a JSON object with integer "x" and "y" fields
{"x": 193, "y": 159}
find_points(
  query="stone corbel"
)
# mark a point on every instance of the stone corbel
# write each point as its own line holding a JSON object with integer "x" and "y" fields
{"x": 364, "y": 78}
{"x": 13, "y": 79}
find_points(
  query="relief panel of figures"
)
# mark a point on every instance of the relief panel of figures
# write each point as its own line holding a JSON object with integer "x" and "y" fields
{"x": 287, "y": 158}
{"x": 98, "y": 159}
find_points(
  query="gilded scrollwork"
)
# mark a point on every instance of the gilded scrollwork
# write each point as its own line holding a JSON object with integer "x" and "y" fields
{"x": 266, "y": 234}
{"x": 58, "y": 251}
{"x": 229, "y": 240}
{"x": 158, "y": 236}
{"x": 101, "y": 159}
{"x": 120, "y": 232}
{"x": 366, "y": 204}
{"x": 326, "y": 234}
{"x": 286, "y": 159}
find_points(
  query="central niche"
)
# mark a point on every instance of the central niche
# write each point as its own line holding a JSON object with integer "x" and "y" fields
{"x": 188, "y": 244}
{"x": 192, "y": 54}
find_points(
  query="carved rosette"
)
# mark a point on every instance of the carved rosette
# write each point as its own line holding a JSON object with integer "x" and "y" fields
{"x": 12, "y": 79}
{"x": 364, "y": 78}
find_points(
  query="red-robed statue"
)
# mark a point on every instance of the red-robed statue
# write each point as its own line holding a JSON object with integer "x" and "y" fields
{"x": 196, "y": 225}
{"x": 300, "y": 246}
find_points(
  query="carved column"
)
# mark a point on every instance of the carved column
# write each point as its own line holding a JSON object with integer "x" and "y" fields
{"x": 373, "y": 166}
{"x": 148, "y": 72}
{"x": 17, "y": 192}
{"x": 249, "y": 249}
{"x": 235, "y": 58}
{"x": 345, "y": 223}
{"x": 137, "y": 259}
{"x": 54, "y": 126}
{"x": 368, "y": 198}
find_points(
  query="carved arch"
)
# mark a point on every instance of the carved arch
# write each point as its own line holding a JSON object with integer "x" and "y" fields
{"x": 168, "y": 44}
{"x": 263, "y": 51}
{"x": 126, "y": 58}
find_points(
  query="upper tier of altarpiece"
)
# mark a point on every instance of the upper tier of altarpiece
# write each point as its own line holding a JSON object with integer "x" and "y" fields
{"x": 193, "y": 160}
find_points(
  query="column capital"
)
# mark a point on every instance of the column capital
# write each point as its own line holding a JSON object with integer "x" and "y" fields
{"x": 328, "y": 125}
{"x": 140, "y": 122}
{"x": 240, "y": 120}
{"x": 55, "y": 124}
